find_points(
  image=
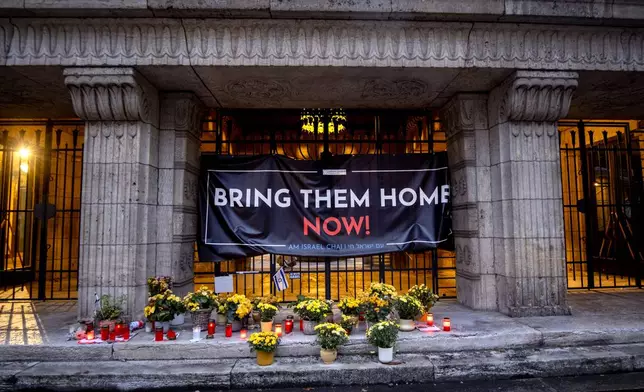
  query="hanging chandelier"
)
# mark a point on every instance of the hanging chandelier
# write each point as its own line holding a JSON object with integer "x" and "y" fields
{"x": 310, "y": 117}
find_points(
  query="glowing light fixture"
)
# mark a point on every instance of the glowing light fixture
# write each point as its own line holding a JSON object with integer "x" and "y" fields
{"x": 308, "y": 118}
{"x": 24, "y": 153}
{"x": 24, "y": 167}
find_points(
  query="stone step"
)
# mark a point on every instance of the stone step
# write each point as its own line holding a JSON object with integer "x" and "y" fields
{"x": 310, "y": 371}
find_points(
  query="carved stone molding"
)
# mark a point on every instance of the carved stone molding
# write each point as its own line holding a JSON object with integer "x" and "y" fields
{"x": 464, "y": 112}
{"x": 532, "y": 96}
{"x": 105, "y": 42}
{"x": 112, "y": 94}
{"x": 187, "y": 111}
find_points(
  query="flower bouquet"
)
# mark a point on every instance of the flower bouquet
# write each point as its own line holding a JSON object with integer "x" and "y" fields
{"x": 330, "y": 336}
{"x": 163, "y": 307}
{"x": 349, "y": 306}
{"x": 159, "y": 284}
{"x": 426, "y": 297}
{"x": 267, "y": 313}
{"x": 236, "y": 307}
{"x": 383, "y": 335}
{"x": 348, "y": 323}
{"x": 265, "y": 344}
{"x": 200, "y": 305}
{"x": 312, "y": 311}
{"x": 408, "y": 309}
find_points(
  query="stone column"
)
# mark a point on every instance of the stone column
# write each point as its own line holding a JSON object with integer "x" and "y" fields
{"x": 466, "y": 127}
{"x": 180, "y": 125}
{"x": 119, "y": 194}
{"x": 527, "y": 212}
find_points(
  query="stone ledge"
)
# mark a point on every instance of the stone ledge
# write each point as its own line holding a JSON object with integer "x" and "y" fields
{"x": 310, "y": 371}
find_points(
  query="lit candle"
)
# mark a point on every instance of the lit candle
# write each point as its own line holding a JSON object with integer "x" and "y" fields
{"x": 229, "y": 330}
{"x": 90, "y": 334}
{"x": 196, "y": 333}
{"x": 288, "y": 325}
{"x": 447, "y": 324}
{"x": 113, "y": 336}
{"x": 278, "y": 330}
{"x": 105, "y": 333}
{"x": 430, "y": 319}
{"x": 243, "y": 333}
{"x": 211, "y": 327}
{"x": 158, "y": 334}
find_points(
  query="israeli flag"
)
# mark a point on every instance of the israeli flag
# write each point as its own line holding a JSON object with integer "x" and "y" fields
{"x": 280, "y": 280}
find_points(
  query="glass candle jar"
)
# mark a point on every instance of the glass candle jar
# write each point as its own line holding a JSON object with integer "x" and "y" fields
{"x": 196, "y": 332}
{"x": 278, "y": 330}
{"x": 158, "y": 334}
{"x": 211, "y": 327}
{"x": 430, "y": 319}
{"x": 105, "y": 333}
{"x": 288, "y": 325}
{"x": 126, "y": 333}
{"x": 447, "y": 324}
{"x": 229, "y": 330}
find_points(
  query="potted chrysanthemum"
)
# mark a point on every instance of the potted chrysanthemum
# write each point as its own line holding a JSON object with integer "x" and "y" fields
{"x": 267, "y": 312}
{"x": 163, "y": 307}
{"x": 312, "y": 312}
{"x": 330, "y": 336}
{"x": 349, "y": 306}
{"x": 348, "y": 323}
{"x": 408, "y": 309}
{"x": 426, "y": 297}
{"x": 265, "y": 344}
{"x": 237, "y": 307}
{"x": 383, "y": 335}
{"x": 200, "y": 305}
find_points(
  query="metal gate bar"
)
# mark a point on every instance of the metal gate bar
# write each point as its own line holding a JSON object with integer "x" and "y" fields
{"x": 602, "y": 170}
{"x": 40, "y": 190}
{"x": 257, "y": 132}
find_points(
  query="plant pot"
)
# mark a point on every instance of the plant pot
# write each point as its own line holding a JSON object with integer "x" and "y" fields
{"x": 309, "y": 327}
{"x": 200, "y": 318}
{"x": 264, "y": 358}
{"x": 267, "y": 326}
{"x": 385, "y": 355}
{"x": 257, "y": 317}
{"x": 178, "y": 319}
{"x": 407, "y": 325}
{"x": 149, "y": 326}
{"x": 221, "y": 319}
{"x": 237, "y": 325}
{"x": 166, "y": 326}
{"x": 328, "y": 356}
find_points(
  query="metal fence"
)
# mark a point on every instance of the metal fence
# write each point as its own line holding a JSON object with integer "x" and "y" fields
{"x": 311, "y": 134}
{"x": 602, "y": 169}
{"x": 40, "y": 189}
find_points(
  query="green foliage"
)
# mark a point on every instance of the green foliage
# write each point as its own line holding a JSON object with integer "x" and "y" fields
{"x": 330, "y": 336}
{"x": 383, "y": 334}
{"x": 110, "y": 308}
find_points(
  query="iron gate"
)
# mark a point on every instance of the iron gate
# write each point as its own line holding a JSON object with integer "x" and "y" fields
{"x": 40, "y": 188}
{"x": 312, "y": 134}
{"x": 602, "y": 170}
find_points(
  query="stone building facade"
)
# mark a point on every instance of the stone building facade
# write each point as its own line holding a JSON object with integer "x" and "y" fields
{"x": 501, "y": 73}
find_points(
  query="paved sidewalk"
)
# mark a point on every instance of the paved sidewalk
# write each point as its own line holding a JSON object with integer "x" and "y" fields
{"x": 604, "y": 335}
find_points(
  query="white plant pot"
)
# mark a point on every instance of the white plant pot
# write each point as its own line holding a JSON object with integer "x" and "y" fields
{"x": 407, "y": 325}
{"x": 166, "y": 326}
{"x": 309, "y": 327}
{"x": 178, "y": 319}
{"x": 385, "y": 355}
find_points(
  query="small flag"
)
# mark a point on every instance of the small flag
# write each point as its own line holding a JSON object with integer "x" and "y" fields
{"x": 280, "y": 280}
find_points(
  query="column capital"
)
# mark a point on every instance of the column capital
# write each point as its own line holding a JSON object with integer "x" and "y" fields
{"x": 112, "y": 94}
{"x": 534, "y": 96}
{"x": 181, "y": 111}
{"x": 464, "y": 112}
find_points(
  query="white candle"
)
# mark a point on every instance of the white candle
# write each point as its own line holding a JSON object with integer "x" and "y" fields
{"x": 196, "y": 333}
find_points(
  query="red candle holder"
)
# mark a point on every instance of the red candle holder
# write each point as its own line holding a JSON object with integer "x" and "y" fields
{"x": 211, "y": 327}
{"x": 158, "y": 334}
{"x": 90, "y": 334}
{"x": 430, "y": 319}
{"x": 229, "y": 330}
{"x": 243, "y": 334}
{"x": 447, "y": 324}
{"x": 278, "y": 330}
{"x": 301, "y": 325}
{"x": 105, "y": 333}
{"x": 113, "y": 336}
{"x": 126, "y": 334}
{"x": 288, "y": 326}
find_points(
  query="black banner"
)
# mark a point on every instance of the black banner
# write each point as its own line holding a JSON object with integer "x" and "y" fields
{"x": 344, "y": 206}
